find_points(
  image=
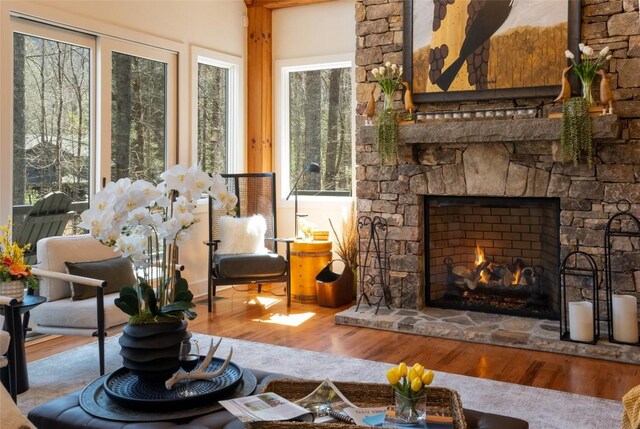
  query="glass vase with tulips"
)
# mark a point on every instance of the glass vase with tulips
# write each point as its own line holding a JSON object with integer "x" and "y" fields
{"x": 410, "y": 385}
{"x": 588, "y": 67}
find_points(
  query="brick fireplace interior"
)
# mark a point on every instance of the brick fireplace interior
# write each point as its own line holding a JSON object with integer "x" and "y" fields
{"x": 493, "y": 254}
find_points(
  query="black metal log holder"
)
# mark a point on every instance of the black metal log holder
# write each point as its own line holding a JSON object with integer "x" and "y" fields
{"x": 582, "y": 265}
{"x": 373, "y": 262}
{"x": 616, "y": 228}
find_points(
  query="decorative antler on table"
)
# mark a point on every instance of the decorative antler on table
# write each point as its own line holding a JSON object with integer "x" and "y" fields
{"x": 200, "y": 373}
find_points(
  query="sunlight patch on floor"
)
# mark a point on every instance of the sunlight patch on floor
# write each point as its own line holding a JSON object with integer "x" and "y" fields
{"x": 263, "y": 301}
{"x": 286, "y": 320}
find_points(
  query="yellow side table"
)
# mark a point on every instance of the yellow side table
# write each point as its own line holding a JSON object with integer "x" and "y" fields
{"x": 308, "y": 258}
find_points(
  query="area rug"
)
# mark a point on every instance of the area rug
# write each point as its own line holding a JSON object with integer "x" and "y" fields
{"x": 542, "y": 408}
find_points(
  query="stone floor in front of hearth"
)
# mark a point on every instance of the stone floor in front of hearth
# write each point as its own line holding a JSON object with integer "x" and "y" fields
{"x": 486, "y": 328}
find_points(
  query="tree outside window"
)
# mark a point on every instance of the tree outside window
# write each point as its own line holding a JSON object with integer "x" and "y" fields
{"x": 320, "y": 111}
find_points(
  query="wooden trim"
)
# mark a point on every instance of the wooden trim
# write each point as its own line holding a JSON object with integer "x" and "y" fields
{"x": 259, "y": 91}
{"x": 280, "y": 4}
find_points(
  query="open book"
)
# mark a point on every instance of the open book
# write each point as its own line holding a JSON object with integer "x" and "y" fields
{"x": 266, "y": 407}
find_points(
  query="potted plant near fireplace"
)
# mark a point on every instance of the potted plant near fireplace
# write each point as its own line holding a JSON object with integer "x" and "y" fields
{"x": 147, "y": 224}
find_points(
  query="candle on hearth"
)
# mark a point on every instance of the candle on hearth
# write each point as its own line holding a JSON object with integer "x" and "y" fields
{"x": 581, "y": 321}
{"x": 625, "y": 318}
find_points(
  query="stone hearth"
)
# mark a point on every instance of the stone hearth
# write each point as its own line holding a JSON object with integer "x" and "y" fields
{"x": 500, "y": 330}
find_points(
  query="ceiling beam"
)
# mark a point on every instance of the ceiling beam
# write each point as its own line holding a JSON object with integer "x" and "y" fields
{"x": 280, "y": 4}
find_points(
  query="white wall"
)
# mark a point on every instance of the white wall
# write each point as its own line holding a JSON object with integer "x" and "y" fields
{"x": 320, "y": 30}
{"x": 176, "y": 25}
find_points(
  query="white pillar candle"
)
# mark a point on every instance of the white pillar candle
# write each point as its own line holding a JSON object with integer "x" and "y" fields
{"x": 625, "y": 318}
{"x": 581, "y": 321}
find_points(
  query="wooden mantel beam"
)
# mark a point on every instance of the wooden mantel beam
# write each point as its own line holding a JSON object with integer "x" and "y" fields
{"x": 279, "y": 4}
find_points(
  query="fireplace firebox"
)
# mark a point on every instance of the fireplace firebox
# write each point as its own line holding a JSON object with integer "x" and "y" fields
{"x": 493, "y": 254}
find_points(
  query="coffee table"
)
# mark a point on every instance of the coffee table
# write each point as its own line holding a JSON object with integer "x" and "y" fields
{"x": 66, "y": 412}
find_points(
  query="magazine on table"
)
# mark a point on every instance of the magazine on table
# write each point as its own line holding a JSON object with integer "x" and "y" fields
{"x": 266, "y": 407}
{"x": 327, "y": 403}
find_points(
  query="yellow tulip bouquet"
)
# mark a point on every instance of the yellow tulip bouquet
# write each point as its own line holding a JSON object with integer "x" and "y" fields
{"x": 410, "y": 385}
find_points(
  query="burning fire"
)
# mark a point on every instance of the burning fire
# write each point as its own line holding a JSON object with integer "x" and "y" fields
{"x": 479, "y": 256}
{"x": 485, "y": 274}
{"x": 516, "y": 276}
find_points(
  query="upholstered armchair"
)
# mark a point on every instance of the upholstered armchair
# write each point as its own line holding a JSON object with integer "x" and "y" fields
{"x": 81, "y": 278}
{"x": 243, "y": 249}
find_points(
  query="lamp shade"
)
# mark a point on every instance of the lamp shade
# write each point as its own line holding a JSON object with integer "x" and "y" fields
{"x": 313, "y": 167}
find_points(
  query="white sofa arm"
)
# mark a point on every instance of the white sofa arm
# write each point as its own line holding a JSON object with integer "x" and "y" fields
{"x": 69, "y": 278}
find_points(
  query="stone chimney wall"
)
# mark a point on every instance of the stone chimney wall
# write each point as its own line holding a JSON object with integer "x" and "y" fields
{"x": 588, "y": 195}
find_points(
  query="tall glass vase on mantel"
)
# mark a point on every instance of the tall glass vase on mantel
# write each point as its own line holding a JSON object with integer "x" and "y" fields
{"x": 587, "y": 91}
{"x": 387, "y": 129}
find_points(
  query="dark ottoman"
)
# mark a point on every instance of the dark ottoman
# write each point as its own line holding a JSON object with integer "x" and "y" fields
{"x": 65, "y": 412}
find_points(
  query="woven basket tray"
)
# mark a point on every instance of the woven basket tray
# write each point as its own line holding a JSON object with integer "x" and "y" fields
{"x": 440, "y": 401}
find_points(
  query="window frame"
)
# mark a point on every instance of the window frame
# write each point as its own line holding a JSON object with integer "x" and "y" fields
{"x": 235, "y": 104}
{"x": 107, "y": 46}
{"x": 19, "y": 24}
{"x": 283, "y": 69}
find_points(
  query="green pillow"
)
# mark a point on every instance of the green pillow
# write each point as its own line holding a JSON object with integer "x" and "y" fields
{"x": 117, "y": 272}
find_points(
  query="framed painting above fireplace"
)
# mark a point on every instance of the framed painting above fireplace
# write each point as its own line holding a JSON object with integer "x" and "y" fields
{"x": 460, "y": 50}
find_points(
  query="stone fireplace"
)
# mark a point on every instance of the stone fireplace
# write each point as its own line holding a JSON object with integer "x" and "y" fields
{"x": 500, "y": 157}
{"x": 503, "y": 165}
{"x": 493, "y": 254}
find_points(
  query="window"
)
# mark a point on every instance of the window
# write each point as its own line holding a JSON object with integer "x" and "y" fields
{"x": 218, "y": 140}
{"x": 317, "y": 127}
{"x": 56, "y": 84}
{"x": 138, "y": 118}
{"x": 52, "y": 130}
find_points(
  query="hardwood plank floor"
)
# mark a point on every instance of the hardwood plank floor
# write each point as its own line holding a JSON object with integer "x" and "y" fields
{"x": 265, "y": 318}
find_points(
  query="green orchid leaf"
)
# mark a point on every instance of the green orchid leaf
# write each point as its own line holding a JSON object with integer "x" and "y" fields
{"x": 128, "y": 301}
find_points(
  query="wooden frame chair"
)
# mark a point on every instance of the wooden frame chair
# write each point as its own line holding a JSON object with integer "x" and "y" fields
{"x": 47, "y": 218}
{"x": 256, "y": 193}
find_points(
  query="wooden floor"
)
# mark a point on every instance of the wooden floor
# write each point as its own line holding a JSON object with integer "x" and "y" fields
{"x": 265, "y": 318}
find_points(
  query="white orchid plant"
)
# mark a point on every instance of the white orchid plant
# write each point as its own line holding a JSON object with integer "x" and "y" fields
{"x": 147, "y": 223}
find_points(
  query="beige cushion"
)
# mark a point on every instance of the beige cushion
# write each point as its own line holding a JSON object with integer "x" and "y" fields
{"x": 65, "y": 313}
{"x": 54, "y": 251}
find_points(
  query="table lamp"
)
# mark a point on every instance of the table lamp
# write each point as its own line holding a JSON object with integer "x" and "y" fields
{"x": 312, "y": 167}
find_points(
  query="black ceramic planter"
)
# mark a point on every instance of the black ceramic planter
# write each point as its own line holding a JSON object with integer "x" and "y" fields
{"x": 150, "y": 351}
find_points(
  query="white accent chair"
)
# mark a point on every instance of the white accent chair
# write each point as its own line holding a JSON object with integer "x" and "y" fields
{"x": 60, "y": 314}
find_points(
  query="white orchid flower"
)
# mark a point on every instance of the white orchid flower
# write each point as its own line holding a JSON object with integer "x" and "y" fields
{"x": 588, "y": 51}
{"x": 381, "y": 70}
{"x": 150, "y": 192}
{"x": 169, "y": 229}
{"x": 569, "y": 54}
{"x": 603, "y": 53}
{"x": 387, "y": 64}
{"x": 201, "y": 180}
{"x": 182, "y": 237}
{"x": 175, "y": 178}
{"x": 186, "y": 219}
{"x": 96, "y": 221}
{"x": 581, "y": 46}
{"x": 140, "y": 216}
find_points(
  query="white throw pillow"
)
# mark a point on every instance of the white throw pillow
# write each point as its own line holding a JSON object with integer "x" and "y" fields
{"x": 242, "y": 235}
